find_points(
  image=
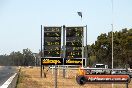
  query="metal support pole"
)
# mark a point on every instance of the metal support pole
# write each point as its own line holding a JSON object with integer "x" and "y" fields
{"x": 43, "y": 49}
{"x": 86, "y": 34}
{"x": 67, "y": 71}
{"x": 58, "y": 70}
{"x": 82, "y": 46}
{"x": 64, "y": 28}
{"x": 112, "y": 30}
{"x": 52, "y": 70}
{"x": 112, "y": 36}
{"x": 126, "y": 85}
{"x": 41, "y": 54}
{"x": 64, "y": 71}
{"x": 86, "y": 64}
{"x": 55, "y": 76}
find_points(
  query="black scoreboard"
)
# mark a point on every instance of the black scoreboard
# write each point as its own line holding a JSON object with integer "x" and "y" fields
{"x": 52, "y": 41}
{"x": 74, "y": 37}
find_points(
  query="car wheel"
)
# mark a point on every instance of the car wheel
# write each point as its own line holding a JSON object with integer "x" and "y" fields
{"x": 81, "y": 80}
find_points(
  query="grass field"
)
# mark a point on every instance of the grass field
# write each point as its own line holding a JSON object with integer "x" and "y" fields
{"x": 30, "y": 78}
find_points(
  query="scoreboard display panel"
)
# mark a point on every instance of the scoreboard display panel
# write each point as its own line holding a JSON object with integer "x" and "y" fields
{"x": 74, "y": 37}
{"x": 52, "y": 41}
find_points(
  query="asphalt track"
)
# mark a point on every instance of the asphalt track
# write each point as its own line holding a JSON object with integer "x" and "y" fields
{"x": 5, "y": 73}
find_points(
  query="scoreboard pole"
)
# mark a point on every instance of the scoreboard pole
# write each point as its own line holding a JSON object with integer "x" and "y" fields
{"x": 86, "y": 64}
{"x": 82, "y": 46}
{"x": 41, "y": 53}
{"x": 63, "y": 50}
{"x": 55, "y": 76}
{"x": 43, "y": 50}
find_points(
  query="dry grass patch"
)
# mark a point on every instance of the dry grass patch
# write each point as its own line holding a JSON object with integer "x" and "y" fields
{"x": 30, "y": 78}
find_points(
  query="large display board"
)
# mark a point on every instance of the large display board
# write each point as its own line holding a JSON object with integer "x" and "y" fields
{"x": 74, "y": 37}
{"x": 52, "y": 41}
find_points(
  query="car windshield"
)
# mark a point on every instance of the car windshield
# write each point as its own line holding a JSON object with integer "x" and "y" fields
{"x": 100, "y": 66}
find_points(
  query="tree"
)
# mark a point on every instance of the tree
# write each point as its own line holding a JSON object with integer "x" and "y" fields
{"x": 101, "y": 49}
{"x": 28, "y": 58}
{"x": 25, "y": 58}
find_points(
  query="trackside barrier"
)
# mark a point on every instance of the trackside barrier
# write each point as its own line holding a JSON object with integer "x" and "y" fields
{"x": 103, "y": 78}
{"x": 11, "y": 82}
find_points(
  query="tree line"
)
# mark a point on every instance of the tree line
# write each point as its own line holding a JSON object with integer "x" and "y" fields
{"x": 26, "y": 58}
{"x": 101, "y": 50}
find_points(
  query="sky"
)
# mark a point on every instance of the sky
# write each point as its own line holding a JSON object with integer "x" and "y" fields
{"x": 21, "y": 20}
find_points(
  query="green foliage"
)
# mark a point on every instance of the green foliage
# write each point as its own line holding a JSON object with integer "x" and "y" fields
{"x": 92, "y": 60}
{"x": 28, "y": 57}
{"x": 25, "y": 58}
{"x": 102, "y": 48}
{"x": 5, "y": 60}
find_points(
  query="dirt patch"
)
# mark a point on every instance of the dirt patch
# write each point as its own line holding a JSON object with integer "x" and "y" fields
{"x": 30, "y": 78}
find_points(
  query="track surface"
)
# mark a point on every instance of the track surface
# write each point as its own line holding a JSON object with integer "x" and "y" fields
{"x": 5, "y": 73}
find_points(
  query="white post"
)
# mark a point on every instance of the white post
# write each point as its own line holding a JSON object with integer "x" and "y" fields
{"x": 112, "y": 38}
{"x": 112, "y": 32}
